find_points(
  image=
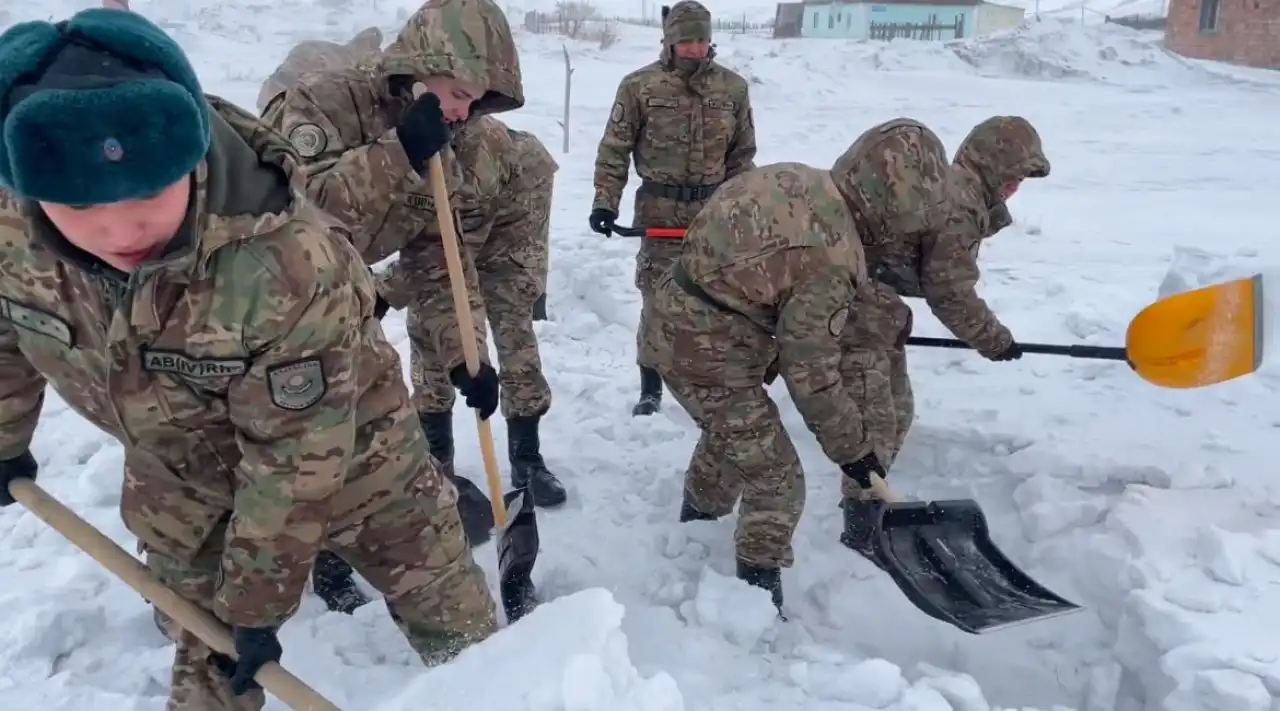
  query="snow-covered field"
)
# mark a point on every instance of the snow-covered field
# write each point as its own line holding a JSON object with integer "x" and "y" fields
{"x": 1156, "y": 509}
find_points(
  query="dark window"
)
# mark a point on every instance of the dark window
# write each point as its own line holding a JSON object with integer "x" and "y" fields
{"x": 831, "y": 21}
{"x": 1209, "y": 11}
{"x": 815, "y": 19}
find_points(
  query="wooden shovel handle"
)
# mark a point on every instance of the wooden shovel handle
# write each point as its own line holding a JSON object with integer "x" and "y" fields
{"x": 466, "y": 325}
{"x": 273, "y": 677}
{"x": 880, "y": 489}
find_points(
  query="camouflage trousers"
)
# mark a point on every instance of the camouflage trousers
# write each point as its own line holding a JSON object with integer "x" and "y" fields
{"x": 653, "y": 261}
{"x": 413, "y": 551}
{"x": 744, "y": 452}
{"x": 881, "y": 386}
{"x": 509, "y": 291}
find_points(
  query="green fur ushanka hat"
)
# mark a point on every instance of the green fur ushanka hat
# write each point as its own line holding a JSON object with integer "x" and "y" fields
{"x": 101, "y": 108}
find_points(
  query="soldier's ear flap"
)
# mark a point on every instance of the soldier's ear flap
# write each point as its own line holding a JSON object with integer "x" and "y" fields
{"x": 666, "y": 10}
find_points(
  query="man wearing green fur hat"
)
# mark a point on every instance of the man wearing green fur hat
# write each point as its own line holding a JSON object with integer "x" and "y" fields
{"x": 161, "y": 268}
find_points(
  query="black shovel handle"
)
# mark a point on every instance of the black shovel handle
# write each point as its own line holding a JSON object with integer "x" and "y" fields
{"x": 1088, "y": 352}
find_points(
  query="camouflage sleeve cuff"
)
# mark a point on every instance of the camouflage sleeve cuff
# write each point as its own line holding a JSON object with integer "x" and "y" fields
{"x": 604, "y": 201}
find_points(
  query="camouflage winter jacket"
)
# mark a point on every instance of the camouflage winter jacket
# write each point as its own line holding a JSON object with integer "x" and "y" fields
{"x": 681, "y": 131}
{"x": 242, "y": 371}
{"x": 768, "y": 271}
{"x": 343, "y": 124}
{"x": 503, "y": 206}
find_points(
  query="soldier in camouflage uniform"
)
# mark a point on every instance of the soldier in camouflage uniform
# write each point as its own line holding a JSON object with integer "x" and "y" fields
{"x": 319, "y": 56}
{"x": 182, "y": 294}
{"x": 507, "y": 230}
{"x": 764, "y": 283}
{"x": 687, "y": 121}
{"x": 931, "y": 254}
{"x": 366, "y": 140}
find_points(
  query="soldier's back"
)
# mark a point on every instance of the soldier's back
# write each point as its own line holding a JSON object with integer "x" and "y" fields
{"x": 766, "y": 230}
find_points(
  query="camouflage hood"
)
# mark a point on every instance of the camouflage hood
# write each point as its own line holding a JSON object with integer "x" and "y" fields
{"x": 468, "y": 40}
{"x": 1003, "y": 149}
{"x": 686, "y": 20}
{"x": 894, "y": 176}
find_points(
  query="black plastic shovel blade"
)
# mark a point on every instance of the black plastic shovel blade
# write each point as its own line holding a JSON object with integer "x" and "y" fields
{"x": 517, "y": 554}
{"x": 941, "y": 556}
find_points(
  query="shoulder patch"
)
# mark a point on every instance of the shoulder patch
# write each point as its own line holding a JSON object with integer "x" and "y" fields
{"x": 37, "y": 321}
{"x": 308, "y": 139}
{"x": 297, "y": 385}
{"x": 836, "y": 324}
{"x": 618, "y": 112}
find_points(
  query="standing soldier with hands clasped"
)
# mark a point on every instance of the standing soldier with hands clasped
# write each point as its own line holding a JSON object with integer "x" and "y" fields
{"x": 687, "y": 122}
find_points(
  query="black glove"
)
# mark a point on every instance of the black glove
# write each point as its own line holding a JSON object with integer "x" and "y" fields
{"x": 602, "y": 221}
{"x": 423, "y": 131}
{"x": 480, "y": 390}
{"x": 380, "y": 307}
{"x": 255, "y": 646}
{"x": 1013, "y": 352}
{"x": 860, "y": 471}
{"x": 22, "y": 466}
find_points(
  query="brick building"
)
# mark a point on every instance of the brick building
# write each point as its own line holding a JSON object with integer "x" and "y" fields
{"x": 1240, "y": 31}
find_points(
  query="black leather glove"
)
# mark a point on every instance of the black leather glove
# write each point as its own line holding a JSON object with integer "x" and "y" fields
{"x": 860, "y": 471}
{"x": 602, "y": 221}
{"x": 423, "y": 131}
{"x": 255, "y": 647}
{"x": 380, "y": 307}
{"x": 480, "y": 390}
{"x": 22, "y": 466}
{"x": 1013, "y": 352}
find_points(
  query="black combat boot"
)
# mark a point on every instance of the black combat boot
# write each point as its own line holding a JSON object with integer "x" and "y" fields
{"x": 769, "y": 579}
{"x": 473, "y": 505}
{"x": 335, "y": 583}
{"x": 527, "y": 466}
{"x": 650, "y": 392}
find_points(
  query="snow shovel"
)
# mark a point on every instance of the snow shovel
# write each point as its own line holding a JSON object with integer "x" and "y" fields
{"x": 1188, "y": 340}
{"x": 273, "y": 677}
{"x": 518, "y": 540}
{"x": 941, "y": 556}
{"x": 650, "y": 232}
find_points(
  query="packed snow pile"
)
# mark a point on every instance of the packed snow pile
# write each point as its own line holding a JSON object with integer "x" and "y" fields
{"x": 568, "y": 655}
{"x": 1063, "y": 49}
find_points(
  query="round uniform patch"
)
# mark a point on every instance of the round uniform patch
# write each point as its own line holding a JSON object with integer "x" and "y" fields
{"x": 836, "y": 323}
{"x": 618, "y": 112}
{"x": 112, "y": 150}
{"x": 308, "y": 139}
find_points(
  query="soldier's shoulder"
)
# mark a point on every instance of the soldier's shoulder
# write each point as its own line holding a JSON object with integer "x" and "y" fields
{"x": 645, "y": 75}
{"x": 730, "y": 79}
{"x": 14, "y": 237}
{"x": 330, "y": 90}
{"x": 289, "y": 263}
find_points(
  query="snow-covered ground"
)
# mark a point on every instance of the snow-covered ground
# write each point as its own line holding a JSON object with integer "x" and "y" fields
{"x": 1156, "y": 509}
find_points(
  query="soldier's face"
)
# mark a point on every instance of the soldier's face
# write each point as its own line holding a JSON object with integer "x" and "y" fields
{"x": 692, "y": 49}
{"x": 1008, "y": 189}
{"x": 124, "y": 234}
{"x": 456, "y": 96}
